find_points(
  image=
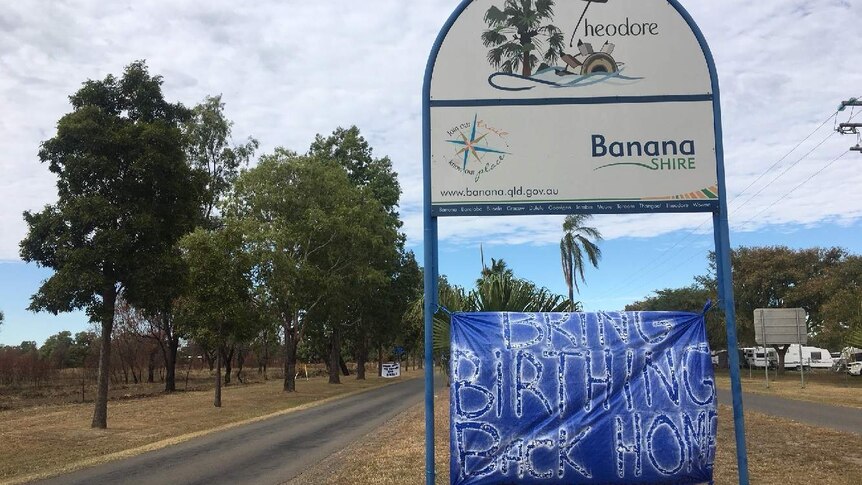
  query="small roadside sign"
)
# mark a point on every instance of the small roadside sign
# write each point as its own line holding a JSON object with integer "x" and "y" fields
{"x": 391, "y": 370}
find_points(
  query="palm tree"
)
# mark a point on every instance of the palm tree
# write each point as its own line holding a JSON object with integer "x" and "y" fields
{"x": 575, "y": 243}
{"x": 516, "y": 35}
{"x": 498, "y": 267}
{"x": 496, "y": 293}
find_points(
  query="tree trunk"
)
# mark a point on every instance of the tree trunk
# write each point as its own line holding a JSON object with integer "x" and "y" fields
{"x": 100, "y": 413}
{"x": 240, "y": 361}
{"x": 526, "y": 69}
{"x": 217, "y": 401}
{"x": 290, "y": 345}
{"x": 151, "y": 366}
{"x": 380, "y": 360}
{"x": 228, "y": 359}
{"x": 262, "y": 360}
{"x": 343, "y": 366}
{"x": 171, "y": 364}
{"x": 361, "y": 357}
{"x": 209, "y": 356}
{"x": 334, "y": 356}
{"x": 782, "y": 352}
{"x": 571, "y": 298}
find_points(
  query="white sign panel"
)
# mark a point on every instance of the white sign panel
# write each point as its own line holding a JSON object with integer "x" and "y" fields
{"x": 575, "y": 49}
{"x": 391, "y": 370}
{"x": 598, "y": 106}
{"x": 780, "y": 326}
{"x": 539, "y": 155}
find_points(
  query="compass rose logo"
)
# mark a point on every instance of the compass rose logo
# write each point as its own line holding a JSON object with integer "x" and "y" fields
{"x": 479, "y": 147}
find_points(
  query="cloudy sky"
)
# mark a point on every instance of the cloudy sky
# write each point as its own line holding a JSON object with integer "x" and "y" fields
{"x": 291, "y": 69}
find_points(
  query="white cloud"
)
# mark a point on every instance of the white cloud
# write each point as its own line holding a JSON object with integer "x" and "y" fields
{"x": 289, "y": 70}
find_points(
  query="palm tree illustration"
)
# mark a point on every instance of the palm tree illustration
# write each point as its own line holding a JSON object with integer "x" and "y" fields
{"x": 520, "y": 33}
{"x": 575, "y": 244}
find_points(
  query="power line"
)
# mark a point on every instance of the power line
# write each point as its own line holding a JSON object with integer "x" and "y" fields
{"x": 770, "y": 206}
{"x": 834, "y": 115}
{"x": 787, "y": 169}
{"x": 782, "y": 174}
{"x": 657, "y": 262}
{"x": 654, "y": 263}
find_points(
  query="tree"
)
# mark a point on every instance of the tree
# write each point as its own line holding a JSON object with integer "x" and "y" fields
{"x": 779, "y": 277}
{"x": 384, "y": 327}
{"x": 219, "y": 309}
{"x": 126, "y": 196}
{"x": 208, "y": 134}
{"x": 28, "y": 346}
{"x": 215, "y": 165}
{"x": 376, "y": 179}
{"x": 575, "y": 243}
{"x": 497, "y": 293}
{"x": 691, "y": 299}
{"x": 498, "y": 267}
{"x": 56, "y": 349}
{"x": 842, "y": 309}
{"x": 309, "y": 232}
{"x": 349, "y": 149}
{"x": 82, "y": 348}
{"x": 516, "y": 35}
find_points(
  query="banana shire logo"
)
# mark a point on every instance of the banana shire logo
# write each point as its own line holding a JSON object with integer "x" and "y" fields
{"x": 667, "y": 155}
{"x": 479, "y": 148}
{"x": 527, "y": 49}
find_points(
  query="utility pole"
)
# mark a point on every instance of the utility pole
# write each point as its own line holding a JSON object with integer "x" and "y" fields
{"x": 851, "y": 128}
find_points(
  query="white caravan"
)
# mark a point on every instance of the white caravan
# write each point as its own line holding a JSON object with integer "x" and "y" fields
{"x": 754, "y": 357}
{"x": 811, "y": 357}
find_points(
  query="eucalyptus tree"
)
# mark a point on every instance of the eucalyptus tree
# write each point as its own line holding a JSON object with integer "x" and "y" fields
{"x": 384, "y": 327}
{"x": 782, "y": 277}
{"x": 578, "y": 240}
{"x": 691, "y": 299}
{"x": 125, "y": 197}
{"x": 309, "y": 231}
{"x": 211, "y": 153}
{"x": 373, "y": 306}
{"x": 219, "y": 309}
{"x": 215, "y": 163}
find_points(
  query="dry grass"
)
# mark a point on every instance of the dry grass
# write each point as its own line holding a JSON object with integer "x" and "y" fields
{"x": 781, "y": 452}
{"x": 52, "y": 439}
{"x": 76, "y": 385}
{"x": 820, "y": 386}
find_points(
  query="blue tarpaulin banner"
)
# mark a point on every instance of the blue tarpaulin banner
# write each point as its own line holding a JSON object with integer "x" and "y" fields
{"x": 581, "y": 398}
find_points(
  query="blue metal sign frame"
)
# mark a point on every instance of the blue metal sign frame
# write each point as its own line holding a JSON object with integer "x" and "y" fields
{"x": 719, "y": 211}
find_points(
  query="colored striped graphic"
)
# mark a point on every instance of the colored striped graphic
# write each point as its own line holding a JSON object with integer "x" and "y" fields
{"x": 709, "y": 193}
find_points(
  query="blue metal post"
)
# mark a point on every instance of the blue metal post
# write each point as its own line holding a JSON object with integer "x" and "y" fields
{"x": 430, "y": 309}
{"x": 431, "y": 245}
{"x": 725, "y": 296}
{"x": 430, "y": 262}
{"x": 721, "y": 230}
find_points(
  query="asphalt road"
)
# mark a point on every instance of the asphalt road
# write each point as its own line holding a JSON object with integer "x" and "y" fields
{"x": 841, "y": 418}
{"x": 267, "y": 452}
